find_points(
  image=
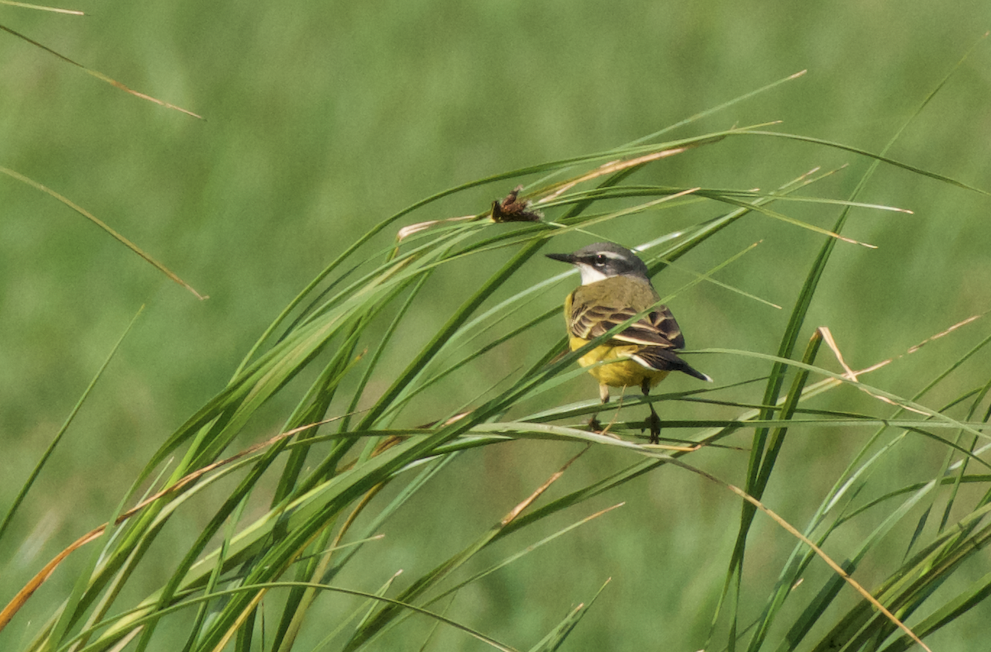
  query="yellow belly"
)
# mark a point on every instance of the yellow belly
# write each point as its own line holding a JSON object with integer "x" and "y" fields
{"x": 621, "y": 373}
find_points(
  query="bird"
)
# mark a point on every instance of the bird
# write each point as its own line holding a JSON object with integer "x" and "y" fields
{"x": 615, "y": 287}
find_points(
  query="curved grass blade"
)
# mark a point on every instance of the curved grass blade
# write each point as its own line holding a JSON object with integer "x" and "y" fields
{"x": 26, "y": 487}
{"x": 878, "y": 158}
{"x": 555, "y": 638}
{"x": 102, "y": 646}
{"x": 388, "y": 613}
{"x": 95, "y": 220}
{"x": 99, "y": 75}
{"x": 25, "y": 5}
{"x": 837, "y": 568}
{"x": 757, "y": 462}
{"x": 25, "y": 593}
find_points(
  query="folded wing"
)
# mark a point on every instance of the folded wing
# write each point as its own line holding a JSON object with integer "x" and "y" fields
{"x": 657, "y": 328}
{"x": 657, "y": 334}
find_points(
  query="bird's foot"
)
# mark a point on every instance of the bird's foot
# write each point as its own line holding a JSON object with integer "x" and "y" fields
{"x": 654, "y": 423}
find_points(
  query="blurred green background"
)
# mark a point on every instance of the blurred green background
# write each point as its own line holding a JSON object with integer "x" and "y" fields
{"x": 323, "y": 118}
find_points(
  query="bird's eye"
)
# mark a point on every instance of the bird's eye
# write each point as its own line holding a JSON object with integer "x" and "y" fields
{"x": 600, "y": 260}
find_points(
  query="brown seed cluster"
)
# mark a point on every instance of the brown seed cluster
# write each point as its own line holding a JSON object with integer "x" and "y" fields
{"x": 511, "y": 209}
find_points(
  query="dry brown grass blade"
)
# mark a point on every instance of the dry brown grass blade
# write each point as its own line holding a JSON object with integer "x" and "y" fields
{"x": 303, "y": 605}
{"x": 22, "y": 596}
{"x": 95, "y": 220}
{"x": 612, "y": 167}
{"x": 407, "y": 231}
{"x": 100, "y": 75}
{"x": 57, "y": 10}
{"x": 242, "y": 617}
{"x": 28, "y": 590}
{"x": 946, "y": 332}
{"x": 516, "y": 511}
{"x": 510, "y": 209}
{"x": 801, "y": 537}
{"x": 854, "y": 375}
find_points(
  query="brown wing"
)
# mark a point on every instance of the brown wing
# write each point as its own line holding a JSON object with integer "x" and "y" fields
{"x": 657, "y": 328}
{"x": 657, "y": 334}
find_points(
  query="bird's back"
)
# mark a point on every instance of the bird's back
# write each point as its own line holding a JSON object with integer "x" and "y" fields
{"x": 597, "y": 307}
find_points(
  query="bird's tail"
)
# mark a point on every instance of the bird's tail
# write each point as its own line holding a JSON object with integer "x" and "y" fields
{"x": 692, "y": 371}
{"x": 661, "y": 359}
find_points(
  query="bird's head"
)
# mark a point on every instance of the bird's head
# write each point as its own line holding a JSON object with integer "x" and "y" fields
{"x": 603, "y": 260}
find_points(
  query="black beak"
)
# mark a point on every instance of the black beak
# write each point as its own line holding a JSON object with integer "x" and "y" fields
{"x": 564, "y": 258}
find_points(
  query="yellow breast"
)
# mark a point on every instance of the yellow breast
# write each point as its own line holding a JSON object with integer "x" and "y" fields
{"x": 623, "y": 372}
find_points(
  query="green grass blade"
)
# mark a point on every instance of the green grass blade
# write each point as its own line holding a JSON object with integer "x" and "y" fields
{"x": 556, "y": 637}
{"x": 36, "y": 471}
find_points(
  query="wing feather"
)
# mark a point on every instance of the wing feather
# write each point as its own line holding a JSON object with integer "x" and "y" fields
{"x": 656, "y": 337}
{"x": 657, "y": 328}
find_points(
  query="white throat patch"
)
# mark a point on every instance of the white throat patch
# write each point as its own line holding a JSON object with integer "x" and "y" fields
{"x": 590, "y": 274}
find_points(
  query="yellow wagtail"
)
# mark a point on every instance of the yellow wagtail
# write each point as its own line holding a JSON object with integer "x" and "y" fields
{"x": 614, "y": 288}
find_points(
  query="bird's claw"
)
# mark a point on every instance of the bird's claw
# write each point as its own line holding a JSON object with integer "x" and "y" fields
{"x": 654, "y": 423}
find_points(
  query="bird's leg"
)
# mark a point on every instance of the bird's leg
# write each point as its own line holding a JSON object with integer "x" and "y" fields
{"x": 654, "y": 421}
{"x": 593, "y": 423}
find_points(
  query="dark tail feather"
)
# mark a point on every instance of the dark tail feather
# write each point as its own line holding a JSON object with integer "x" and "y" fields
{"x": 692, "y": 371}
{"x": 655, "y": 357}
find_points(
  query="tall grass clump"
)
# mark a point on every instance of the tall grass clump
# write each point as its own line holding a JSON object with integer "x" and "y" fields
{"x": 286, "y": 558}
